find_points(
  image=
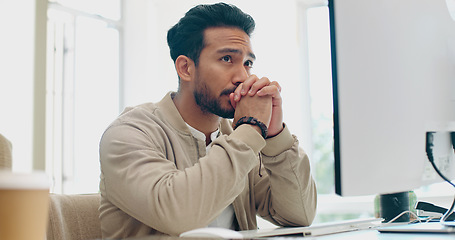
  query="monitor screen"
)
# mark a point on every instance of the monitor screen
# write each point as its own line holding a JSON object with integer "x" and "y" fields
{"x": 393, "y": 67}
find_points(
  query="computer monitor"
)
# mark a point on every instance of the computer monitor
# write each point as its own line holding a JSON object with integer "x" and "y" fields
{"x": 393, "y": 67}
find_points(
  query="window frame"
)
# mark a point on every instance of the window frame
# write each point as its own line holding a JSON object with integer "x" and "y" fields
{"x": 60, "y": 77}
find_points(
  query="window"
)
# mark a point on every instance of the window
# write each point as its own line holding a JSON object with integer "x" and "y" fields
{"x": 321, "y": 97}
{"x": 330, "y": 206}
{"x": 83, "y": 89}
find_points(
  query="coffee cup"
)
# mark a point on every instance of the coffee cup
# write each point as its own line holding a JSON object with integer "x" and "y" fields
{"x": 24, "y": 203}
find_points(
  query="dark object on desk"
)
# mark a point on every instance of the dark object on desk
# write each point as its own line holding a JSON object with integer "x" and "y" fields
{"x": 429, "y": 207}
{"x": 393, "y": 205}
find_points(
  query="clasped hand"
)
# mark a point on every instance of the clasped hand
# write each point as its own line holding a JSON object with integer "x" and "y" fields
{"x": 259, "y": 98}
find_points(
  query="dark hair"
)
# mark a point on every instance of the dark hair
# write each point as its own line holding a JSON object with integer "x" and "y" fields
{"x": 187, "y": 36}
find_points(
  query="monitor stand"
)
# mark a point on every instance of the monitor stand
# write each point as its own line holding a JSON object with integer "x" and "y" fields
{"x": 392, "y": 205}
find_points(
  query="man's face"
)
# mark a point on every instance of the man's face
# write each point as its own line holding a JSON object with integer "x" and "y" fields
{"x": 224, "y": 63}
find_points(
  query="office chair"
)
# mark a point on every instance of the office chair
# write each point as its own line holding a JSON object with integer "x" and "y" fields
{"x": 74, "y": 217}
{"x": 5, "y": 153}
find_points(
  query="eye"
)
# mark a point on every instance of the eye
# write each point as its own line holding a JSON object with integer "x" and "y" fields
{"x": 249, "y": 63}
{"x": 226, "y": 59}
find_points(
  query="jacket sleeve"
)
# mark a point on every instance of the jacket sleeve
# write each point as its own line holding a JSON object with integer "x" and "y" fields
{"x": 286, "y": 194}
{"x": 142, "y": 179}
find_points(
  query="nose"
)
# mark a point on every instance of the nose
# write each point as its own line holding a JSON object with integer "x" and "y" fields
{"x": 240, "y": 75}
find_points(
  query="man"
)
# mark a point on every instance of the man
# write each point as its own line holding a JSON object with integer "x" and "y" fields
{"x": 180, "y": 164}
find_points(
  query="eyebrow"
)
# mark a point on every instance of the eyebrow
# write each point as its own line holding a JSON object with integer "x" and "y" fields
{"x": 237, "y": 51}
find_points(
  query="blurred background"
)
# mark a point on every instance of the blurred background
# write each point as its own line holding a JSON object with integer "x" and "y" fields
{"x": 69, "y": 67}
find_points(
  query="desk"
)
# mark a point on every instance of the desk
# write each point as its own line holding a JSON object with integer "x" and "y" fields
{"x": 375, "y": 235}
{"x": 354, "y": 235}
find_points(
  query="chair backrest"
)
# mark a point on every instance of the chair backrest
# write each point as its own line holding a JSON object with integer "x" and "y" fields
{"x": 74, "y": 217}
{"x": 5, "y": 153}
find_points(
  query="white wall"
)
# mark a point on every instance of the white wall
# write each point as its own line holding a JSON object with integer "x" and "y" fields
{"x": 149, "y": 70}
{"x": 17, "y": 19}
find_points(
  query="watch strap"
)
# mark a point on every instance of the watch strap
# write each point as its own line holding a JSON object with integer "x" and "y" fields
{"x": 253, "y": 121}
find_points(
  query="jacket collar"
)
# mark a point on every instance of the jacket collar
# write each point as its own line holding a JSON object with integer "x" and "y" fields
{"x": 171, "y": 113}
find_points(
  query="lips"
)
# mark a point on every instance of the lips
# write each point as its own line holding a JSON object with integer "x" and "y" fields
{"x": 227, "y": 92}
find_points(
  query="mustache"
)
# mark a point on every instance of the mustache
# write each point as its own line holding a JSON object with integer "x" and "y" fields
{"x": 227, "y": 91}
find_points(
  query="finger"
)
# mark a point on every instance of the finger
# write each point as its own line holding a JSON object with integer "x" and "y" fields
{"x": 237, "y": 92}
{"x": 277, "y": 85}
{"x": 258, "y": 85}
{"x": 246, "y": 85}
{"x": 273, "y": 90}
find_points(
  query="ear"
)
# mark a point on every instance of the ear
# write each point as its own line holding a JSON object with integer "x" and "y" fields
{"x": 185, "y": 67}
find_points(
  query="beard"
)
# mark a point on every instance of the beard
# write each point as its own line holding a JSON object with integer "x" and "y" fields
{"x": 209, "y": 103}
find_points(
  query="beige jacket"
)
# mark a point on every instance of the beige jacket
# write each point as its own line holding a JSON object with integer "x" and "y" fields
{"x": 156, "y": 178}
